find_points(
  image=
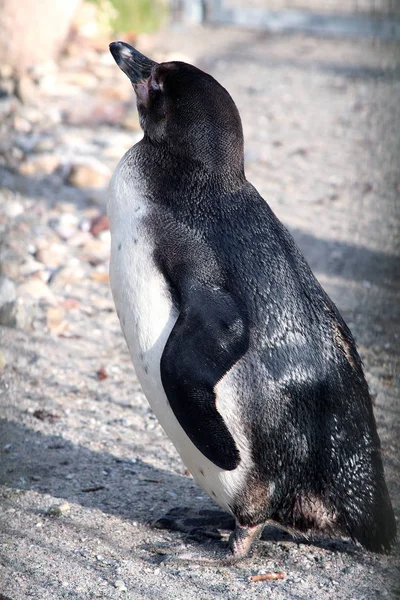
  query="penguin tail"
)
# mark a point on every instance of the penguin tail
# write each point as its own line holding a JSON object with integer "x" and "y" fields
{"x": 375, "y": 531}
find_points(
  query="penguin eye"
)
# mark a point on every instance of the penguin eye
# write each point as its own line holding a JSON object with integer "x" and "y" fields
{"x": 155, "y": 86}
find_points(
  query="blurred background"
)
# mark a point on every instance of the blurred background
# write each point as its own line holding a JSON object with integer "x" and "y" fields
{"x": 317, "y": 85}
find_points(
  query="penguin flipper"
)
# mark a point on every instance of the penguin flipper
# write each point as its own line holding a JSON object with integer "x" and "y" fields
{"x": 209, "y": 337}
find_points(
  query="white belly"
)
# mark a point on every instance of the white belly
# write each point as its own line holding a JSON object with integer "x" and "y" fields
{"x": 147, "y": 316}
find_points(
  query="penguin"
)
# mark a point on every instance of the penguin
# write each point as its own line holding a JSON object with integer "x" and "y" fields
{"x": 243, "y": 357}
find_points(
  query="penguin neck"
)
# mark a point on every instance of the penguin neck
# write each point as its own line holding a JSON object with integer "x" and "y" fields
{"x": 179, "y": 180}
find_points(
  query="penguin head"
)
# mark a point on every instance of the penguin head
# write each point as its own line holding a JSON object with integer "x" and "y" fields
{"x": 184, "y": 109}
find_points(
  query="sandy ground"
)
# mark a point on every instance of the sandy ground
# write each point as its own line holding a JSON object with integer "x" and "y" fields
{"x": 84, "y": 465}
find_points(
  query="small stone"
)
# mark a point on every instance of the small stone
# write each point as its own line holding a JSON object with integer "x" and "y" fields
{"x": 13, "y": 209}
{"x": 56, "y": 320}
{"x": 67, "y": 225}
{"x": 66, "y": 276}
{"x": 41, "y": 164}
{"x": 34, "y": 288}
{"x": 100, "y": 276}
{"x": 25, "y": 313}
{"x": 56, "y": 510}
{"x": 44, "y": 145}
{"x": 89, "y": 175}
{"x": 53, "y": 255}
{"x": 21, "y": 124}
{"x": 7, "y": 301}
{"x": 26, "y": 90}
{"x": 33, "y": 115}
{"x": 6, "y": 71}
{"x": 95, "y": 251}
{"x": 120, "y": 585}
{"x": 99, "y": 224}
{"x": 30, "y": 267}
{"x": 7, "y": 105}
{"x": 2, "y": 361}
{"x": 7, "y": 87}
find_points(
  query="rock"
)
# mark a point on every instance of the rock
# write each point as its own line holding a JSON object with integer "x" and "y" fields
{"x": 55, "y": 320}
{"x": 92, "y": 174}
{"x": 8, "y": 298}
{"x": 30, "y": 267}
{"x": 22, "y": 125}
{"x": 26, "y": 90}
{"x": 25, "y": 313}
{"x": 26, "y": 142}
{"x": 120, "y": 585}
{"x": 67, "y": 225}
{"x": 6, "y": 71}
{"x": 99, "y": 224}
{"x": 34, "y": 115}
{"x": 7, "y": 87}
{"x": 100, "y": 276}
{"x": 56, "y": 510}
{"x": 53, "y": 255}
{"x": 34, "y": 288}
{"x": 13, "y": 209}
{"x": 64, "y": 277}
{"x": 41, "y": 164}
{"x": 7, "y": 106}
{"x": 95, "y": 251}
{"x": 2, "y": 361}
{"x": 44, "y": 145}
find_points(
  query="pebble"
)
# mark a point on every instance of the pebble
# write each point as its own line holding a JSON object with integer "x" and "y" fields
{"x": 41, "y": 164}
{"x": 13, "y": 209}
{"x": 92, "y": 174}
{"x": 54, "y": 255}
{"x": 6, "y": 71}
{"x": 8, "y": 297}
{"x": 120, "y": 585}
{"x": 56, "y": 510}
{"x": 45, "y": 144}
{"x": 56, "y": 319}
{"x": 26, "y": 90}
{"x": 67, "y": 225}
{"x": 30, "y": 267}
{"x": 22, "y": 125}
{"x": 34, "y": 288}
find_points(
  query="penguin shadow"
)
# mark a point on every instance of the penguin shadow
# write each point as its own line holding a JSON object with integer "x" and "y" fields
{"x": 203, "y": 526}
{"x": 52, "y": 464}
{"x": 129, "y": 489}
{"x": 348, "y": 261}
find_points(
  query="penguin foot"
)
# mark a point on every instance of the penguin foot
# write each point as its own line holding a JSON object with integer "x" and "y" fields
{"x": 202, "y": 525}
{"x": 242, "y": 538}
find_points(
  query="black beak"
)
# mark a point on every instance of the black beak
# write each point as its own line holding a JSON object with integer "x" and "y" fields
{"x": 136, "y": 66}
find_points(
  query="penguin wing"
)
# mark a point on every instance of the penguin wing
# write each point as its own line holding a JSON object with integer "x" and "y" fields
{"x": 208, "y": 338}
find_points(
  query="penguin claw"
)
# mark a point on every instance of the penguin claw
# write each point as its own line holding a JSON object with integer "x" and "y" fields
{"x": 202, "y": 556}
